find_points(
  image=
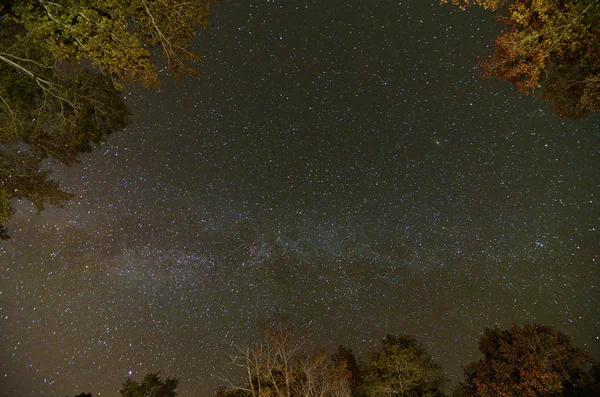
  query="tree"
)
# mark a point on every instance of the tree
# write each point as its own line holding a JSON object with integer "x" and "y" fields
{"x": 277, "y": 367}
{"x": 401, "y": 368}
{"x": 62, "y": 65}
{"x": 317, "y": 375}
{"x": 267, "y": 365}
{"x": 553, "y": 44}
{"x": 150, "y": 386}
{"x": 345, "y": 356}
{"x": 527, "y": 361}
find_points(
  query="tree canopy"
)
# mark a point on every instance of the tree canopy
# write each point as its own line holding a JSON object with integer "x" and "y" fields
{"x": 401, "y": 368}
{"x": 62, "y": 64}
{"x": 552, "y": 44}
{"x": 277, "y": 366}
{"x": 151, "y": 386}
{"x": 523, "y": 361}
{"x": 532, "y": 360}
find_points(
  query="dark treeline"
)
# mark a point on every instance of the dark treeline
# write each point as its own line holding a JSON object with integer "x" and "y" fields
{"x": 529, "y": 360}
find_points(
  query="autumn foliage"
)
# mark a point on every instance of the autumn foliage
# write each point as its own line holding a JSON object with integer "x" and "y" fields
{"x": 526, "y": 361}
{"x": 523, "y": 361}
{"x": 552, "y": 44}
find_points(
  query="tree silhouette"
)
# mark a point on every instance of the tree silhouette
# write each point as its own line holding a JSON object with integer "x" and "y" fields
{"x": 151, "y": 386}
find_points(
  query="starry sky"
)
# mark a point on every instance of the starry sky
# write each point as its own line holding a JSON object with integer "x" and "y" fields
{"x": 337, "y": 162}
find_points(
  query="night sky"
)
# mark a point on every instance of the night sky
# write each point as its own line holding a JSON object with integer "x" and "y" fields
{"x": 338, "y": 162}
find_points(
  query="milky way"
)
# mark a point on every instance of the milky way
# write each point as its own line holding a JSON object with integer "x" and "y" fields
{"x": 341, "y": 164}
